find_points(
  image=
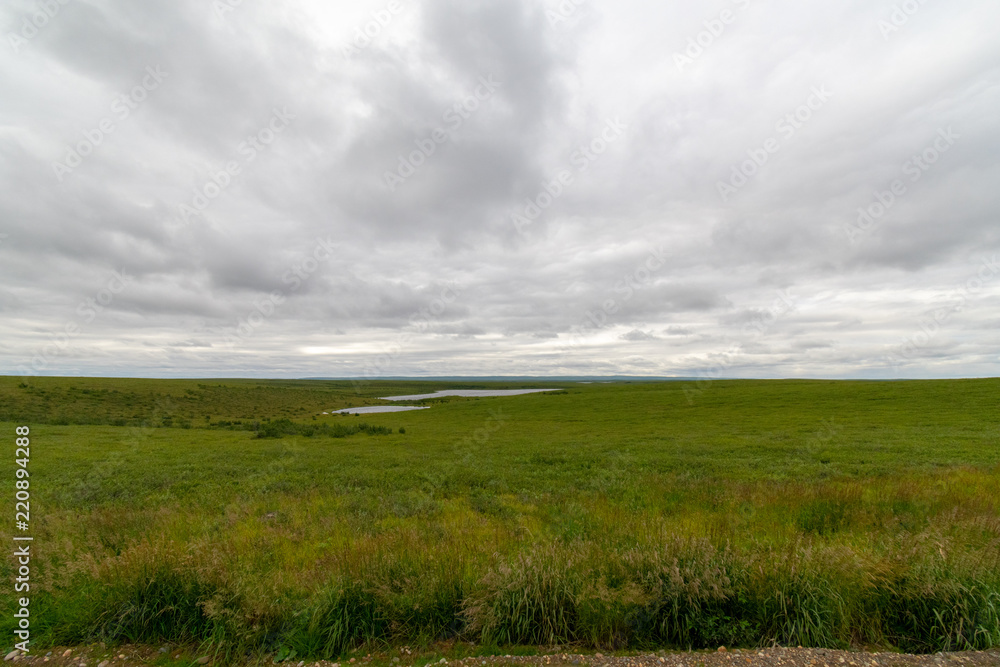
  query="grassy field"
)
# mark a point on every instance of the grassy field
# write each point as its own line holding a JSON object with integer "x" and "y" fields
{"x": 604, "y": 515}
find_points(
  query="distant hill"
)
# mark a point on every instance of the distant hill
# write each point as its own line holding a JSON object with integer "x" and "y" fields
{"x": 522, "y": 378}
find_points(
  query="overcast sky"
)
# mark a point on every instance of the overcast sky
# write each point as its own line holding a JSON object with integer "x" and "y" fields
{"x": 316, "y": 188}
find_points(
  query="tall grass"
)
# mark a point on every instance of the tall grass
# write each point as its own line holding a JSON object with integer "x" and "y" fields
{"x": 934, "y": 590}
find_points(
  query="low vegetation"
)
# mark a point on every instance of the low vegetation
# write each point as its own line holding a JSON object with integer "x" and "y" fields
{"x": 608, "y": 516}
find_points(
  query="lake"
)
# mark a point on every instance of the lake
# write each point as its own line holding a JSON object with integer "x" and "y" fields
{"x": 376, "y": 408}
{"x": 467, "y": 393}
{"x": 464, "y": 393}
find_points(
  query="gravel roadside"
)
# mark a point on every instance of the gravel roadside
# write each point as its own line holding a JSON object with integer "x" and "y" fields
{"x": 131, "y": 656}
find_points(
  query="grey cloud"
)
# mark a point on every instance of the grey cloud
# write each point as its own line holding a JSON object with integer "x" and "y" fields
{"x": 637, "y": 335}
{"x": 639, "y": 252}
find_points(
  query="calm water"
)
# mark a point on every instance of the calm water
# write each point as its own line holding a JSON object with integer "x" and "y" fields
{"x": 467, "y": 393}
{"x": 376, "y": 408}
